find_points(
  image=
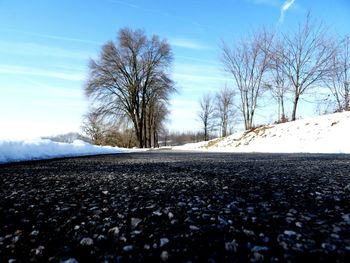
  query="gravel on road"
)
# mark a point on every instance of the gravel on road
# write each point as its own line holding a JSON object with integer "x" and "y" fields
{"x": 177, "y": 207}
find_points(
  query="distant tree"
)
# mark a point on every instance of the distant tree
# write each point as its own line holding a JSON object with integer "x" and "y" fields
{"x": 305, "y": 58}
{"x": 206, "y": 115}
{"x": 129, "y": 76}
{"x": 224, "y": 108}
{"x": 68, "y": 137}
{"x": 247, "y": 62}
{"x": 93, "y": 126}
{"x": 338, "y": 78}
{"x": 278, "y": 82}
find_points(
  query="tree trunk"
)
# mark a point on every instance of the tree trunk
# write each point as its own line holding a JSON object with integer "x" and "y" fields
{"x": 295, "y": 104}
{"x": 283, "y": 115}
{"x": 347, "y": 106}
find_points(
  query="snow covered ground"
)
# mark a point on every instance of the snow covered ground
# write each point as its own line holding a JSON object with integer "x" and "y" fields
{"x": 322, "y": 134}
{"x": 14, "y": 151}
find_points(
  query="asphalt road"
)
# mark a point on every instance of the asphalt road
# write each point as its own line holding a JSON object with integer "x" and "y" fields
{"x": 177, "y": 207}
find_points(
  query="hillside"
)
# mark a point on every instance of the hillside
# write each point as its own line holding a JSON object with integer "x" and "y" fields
{"x": 322, "y": 134}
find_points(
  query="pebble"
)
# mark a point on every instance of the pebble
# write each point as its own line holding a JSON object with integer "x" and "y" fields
{"x": 86, "y": 241}
{"x": 70, "y": 260}
{"x": 259, "y": 248}
{"x": 128, "y": 248}
{"x": 231, "y": 246}
{"x": 39, "y": 251}
{"x": 163, "y": 242}
{"x": 290, "y": 233}
{"x": 34, "y": 233}
{"x": 328, "y": 246}
{"x": 157, "y": 213}
{"x": 164, "y": 256}
{"x": 135, "y": 222}
{"x": 194, "y": 228}
{"x": 346, "y": 218}
{"x": 114, "y": 231}
{"x": 170, "y": 215}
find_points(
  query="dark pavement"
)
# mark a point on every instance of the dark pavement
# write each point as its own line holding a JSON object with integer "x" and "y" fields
{"x": 177, "y": 207}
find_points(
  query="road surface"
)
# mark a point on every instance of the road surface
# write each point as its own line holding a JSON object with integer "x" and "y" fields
{"x": 177, "y": 207}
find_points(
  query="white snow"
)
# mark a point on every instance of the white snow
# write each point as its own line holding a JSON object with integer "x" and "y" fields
{"x": 36, "y": 149}
{"x": 322, "y": 134}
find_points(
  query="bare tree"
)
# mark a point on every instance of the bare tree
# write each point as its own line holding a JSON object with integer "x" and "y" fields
{"x": 278, "y": 82}
{"x": 305, "y": 58}
{"x": 247, "y": 62}
{"x": 206, "y": 115}
{"x": 224, "y": 100}
{"x": 93, "y": 126}
{"x": 128, "y": 75}
{"x": 338, "y": 79}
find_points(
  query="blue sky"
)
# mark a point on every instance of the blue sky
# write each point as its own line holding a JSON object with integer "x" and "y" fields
{"x": 45, "y": 46}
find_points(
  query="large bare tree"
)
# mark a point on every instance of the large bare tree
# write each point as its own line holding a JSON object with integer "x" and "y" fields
{"x": 224, "y": 105}
{"x": 206, "y": 115}
{"x": 247, "y": 62}
{"x": 305, "y": 58}
{"x": 338, "y": 79}
{"x": 128, "y": 75}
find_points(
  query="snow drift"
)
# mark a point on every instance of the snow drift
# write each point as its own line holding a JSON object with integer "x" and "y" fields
{"x": 14, "y": 151}
{"x": 322, "y": 134}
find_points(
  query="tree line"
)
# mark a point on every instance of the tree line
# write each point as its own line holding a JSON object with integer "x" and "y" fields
{"x": 289, "y": 65}
{"x": 129, "y": 84}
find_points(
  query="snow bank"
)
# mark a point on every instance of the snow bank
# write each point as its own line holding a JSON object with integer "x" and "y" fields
{"x": 322, "y": 134}
{"x": 14, "y": 151}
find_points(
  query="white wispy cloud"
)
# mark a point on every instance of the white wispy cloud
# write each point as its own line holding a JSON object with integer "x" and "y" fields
{"x": 28, "y": 71}
{"x": 54, "y": 37}
{"x": 286, "y": 5}
{"x": 34, "y": 49}
{"x": 187, "y": 43}
{"x": 265, "y": 2}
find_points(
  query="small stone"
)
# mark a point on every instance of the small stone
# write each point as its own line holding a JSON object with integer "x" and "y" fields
{"x": 194, "y": 228}
{"x": 86, "y": 241}
{"x": 328, "y": 246}
{"x": 128, "y": 248}
{"x": 34, "y": 233}
{"x": 76, "y": 227}
{"x": 248, "y": 232}
{"x": 135, "y": 222}
{"x": 290, "y": 233}
{"x": 170, "y": 215}
{"x": 231, "y": 246}
{"x": 136, "y": 232}
{"x": 70, "y": 260}
{"x": 164, "y": 256}
{"x": 105, "y": 192}
{"x": 163, "y": 242}
{"x": 257, "y": 257}
{"x": 147, "y": 247}
{"x": 114, "y": 231}
{"x": 259, "y": 248}
{"x": 157, "y": 213}
{"x": 101, "y": 238}
{"x": 298, "y": 224}
{"x": 346, "y": 218}
{"x": 15, "y": 239}
{"x": 39, "y": 251}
